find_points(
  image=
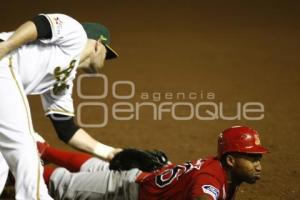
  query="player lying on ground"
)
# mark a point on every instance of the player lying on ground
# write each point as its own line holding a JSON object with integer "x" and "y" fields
{"x": 212, "y": 178}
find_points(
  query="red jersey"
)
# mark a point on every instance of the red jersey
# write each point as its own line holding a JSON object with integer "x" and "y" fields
{"x": 185, "y": 182}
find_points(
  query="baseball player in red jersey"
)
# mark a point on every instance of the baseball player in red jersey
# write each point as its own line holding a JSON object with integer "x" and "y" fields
{"x": 212, "y": 178}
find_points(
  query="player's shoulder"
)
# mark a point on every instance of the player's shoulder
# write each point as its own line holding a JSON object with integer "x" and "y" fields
{"x": 67, "y": 32}
{"x": 58, "y": 17}
{"x": 208, "y": 162}
{"x": 211, "y": 166}
{"x": 60, "y": 21}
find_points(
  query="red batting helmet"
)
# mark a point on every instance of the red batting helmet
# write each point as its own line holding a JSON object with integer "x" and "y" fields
{"x": 240, "y": 139}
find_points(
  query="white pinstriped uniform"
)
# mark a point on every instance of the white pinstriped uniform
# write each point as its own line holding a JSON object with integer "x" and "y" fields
{"x": 44, "y": 67}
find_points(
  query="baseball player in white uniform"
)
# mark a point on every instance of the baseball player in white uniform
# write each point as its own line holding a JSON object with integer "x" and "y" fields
{"x": 41, "y": 58}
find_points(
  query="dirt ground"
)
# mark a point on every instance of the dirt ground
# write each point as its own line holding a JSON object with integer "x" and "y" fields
{"x": 239, "y": 51}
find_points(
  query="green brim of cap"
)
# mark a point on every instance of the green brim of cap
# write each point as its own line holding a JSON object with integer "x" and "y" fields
{"x": 110, "y": 54}
{"x": 98, "y": 32}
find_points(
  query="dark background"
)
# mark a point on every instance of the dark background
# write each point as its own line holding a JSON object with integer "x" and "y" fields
{"x": 242, "y": 51}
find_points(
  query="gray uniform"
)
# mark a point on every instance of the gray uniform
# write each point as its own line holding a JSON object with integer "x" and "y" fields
{"x": 94, "y": 181}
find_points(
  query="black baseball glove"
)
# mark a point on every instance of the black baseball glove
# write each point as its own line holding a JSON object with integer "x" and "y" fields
{"x": 144, "y": 160}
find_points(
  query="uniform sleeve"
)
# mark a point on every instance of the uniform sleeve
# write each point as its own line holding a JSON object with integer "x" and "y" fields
{"x": 66, "y": 32}
{"x": 206, "y": 184}
{"x": 58, "y": 104}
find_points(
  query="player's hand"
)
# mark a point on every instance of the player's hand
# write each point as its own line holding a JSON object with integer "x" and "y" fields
{"x": 97, "y": 57}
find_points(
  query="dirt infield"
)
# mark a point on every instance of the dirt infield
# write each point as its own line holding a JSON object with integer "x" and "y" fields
{"x": 181, "y": 54}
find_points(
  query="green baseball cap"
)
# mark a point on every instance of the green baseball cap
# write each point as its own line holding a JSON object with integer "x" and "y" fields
{"x": 99, "y": 32}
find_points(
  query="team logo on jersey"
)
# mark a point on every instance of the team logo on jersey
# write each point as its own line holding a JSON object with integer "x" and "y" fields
{"x": 103, "y": 39}
{"x": 211, "y": 190}
{"x": 170, "y": 175}
{"x": 58, "y": 24}
{"x": 61, "y": 76}
{"x": 57, "y": 21}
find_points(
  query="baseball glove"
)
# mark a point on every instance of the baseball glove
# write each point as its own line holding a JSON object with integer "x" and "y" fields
{"x": 144, "y": 160}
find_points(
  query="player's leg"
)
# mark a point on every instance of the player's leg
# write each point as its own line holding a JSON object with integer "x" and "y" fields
{"x": 16, "y": 142}
{"x": 69, "y": 159}
{"x": 63, "y": 184}
{"x": 48, "y": 171}
{"x": 88, "y": 183}
{"x": 72, "y": 160}
{"x": 106, "y": 184}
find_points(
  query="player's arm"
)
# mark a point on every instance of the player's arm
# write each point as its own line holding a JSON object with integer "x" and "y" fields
{"x": 82, "y": 140}
{"x": 25, "y": 33}
{"x": 76, "y": 137}
{"x": 207, "y": 186}
{"x": 30, "y": 31}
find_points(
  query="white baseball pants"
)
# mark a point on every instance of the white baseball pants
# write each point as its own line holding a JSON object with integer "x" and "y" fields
{"x": 17, "y": 144}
